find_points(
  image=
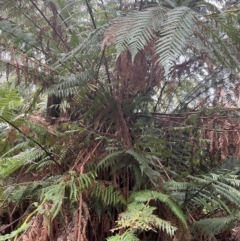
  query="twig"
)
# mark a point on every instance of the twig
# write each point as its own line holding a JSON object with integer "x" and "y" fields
{"x": 49, "y": 23}
{"x": 169, "y": 178}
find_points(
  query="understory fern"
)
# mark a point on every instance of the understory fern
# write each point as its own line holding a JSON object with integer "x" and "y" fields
{"x": 139, "y": 215}
{"x": 213, "y": 226}
{"x": 213, "y": 194}
{"x": 126, "y": 236}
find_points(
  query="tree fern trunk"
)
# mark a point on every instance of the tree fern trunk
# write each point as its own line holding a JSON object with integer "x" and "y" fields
{"x": 53, "y": 108}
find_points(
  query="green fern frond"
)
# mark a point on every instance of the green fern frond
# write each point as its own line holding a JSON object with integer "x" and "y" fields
{"x": 20, "y": 192}
{"x": 91, "y": 44}
{"x": 69, "y": 85}
{"x": 142, "y": 30}
{"x": 213, "y": 226}
{"x": 139, "y": 178}
{"x": 228, "y": 192}
{"x": 109, "y": 160}
{"x": 14, "y": 233}
{"x": 233, "y": 180}
{"x": 219, "y": 49}
{"x": 126, "y": 236}
{"x": 9, "y": 104}
{"x": 176, "y": 30}
{"x": 145, "y": 162}
{"x": 139, "y": 216}
{"x": 136, "y": 29}
{"x": 12, "y": 29}
{"x": 23, "y": 191}
{"x": 108, "y": 195}
{"x": 146, "y": 195}
{"x": 10, "y": 165}
{"x": 17, "y": 148}
{"x": 86, "y": 179}
{"x": 44, "y": 162}
{"x": 211, "y": 191}
{"x": 55, "y": 194}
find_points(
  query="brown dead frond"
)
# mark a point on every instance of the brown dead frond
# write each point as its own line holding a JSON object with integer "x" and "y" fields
{"x": 222, "y": 131}
{"x": 138, "y": 76}
{"x": 235, "y": 234}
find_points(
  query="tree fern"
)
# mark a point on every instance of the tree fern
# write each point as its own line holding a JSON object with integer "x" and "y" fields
{"x": 174, "y": 30}
{"x": 83, "y": 171}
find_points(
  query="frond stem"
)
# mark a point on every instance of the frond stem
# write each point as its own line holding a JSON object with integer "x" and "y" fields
{"x": 91, "y": 15}
{"x": 100, "y": 62}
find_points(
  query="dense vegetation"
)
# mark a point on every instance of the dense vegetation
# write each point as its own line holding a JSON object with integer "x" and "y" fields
{"x": 119, "y": 120}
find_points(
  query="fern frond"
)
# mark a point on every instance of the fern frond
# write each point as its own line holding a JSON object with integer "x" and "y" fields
{"x": 17, "y": 148}
{"x": 21, "y": 192}
{"x": 10, "y": 165}
{"x": 14, "y": 30}
{"x": 135, "y": 30}
{"x": 9, "y": 104}
{"x": 69, "y": 85}
{"x": 55, "y": 194}
{"x": 108, "y": 195}
{"x": 14, "y": 233}
{"x": 142, "y": 30}
{"x": 213, "y": 226}
{"x": 211, "y": 191}
{"x": 91, "y": 44}
{"x": 146, "y": 195}
{"x": 176, "y": 29}
{"x": 145, "y": 163}
{"x": 126, "y": 236}
{"x": 140, "y": 216}
{"x": 108, "y": 160}
{"x": 219, "y": 49}
{"x": 86, "y": 179}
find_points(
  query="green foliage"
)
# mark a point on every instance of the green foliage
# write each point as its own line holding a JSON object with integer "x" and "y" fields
{"x": 14, "y": 233}
{"x": 9, "y": 103}
{"x": 211, "y": 193}
{"x": 107, "y": 195}
{"x": 146, "y": 195}
{"x": 78, "y": 172}
{"x": 174, "y": 33}
{"x": 126, "y": 236}
{"x": 136, "y": 35}
{"x": 139, "y": 215}
{"x": 174, "y": 29}
{"x": 213, "y": 226}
